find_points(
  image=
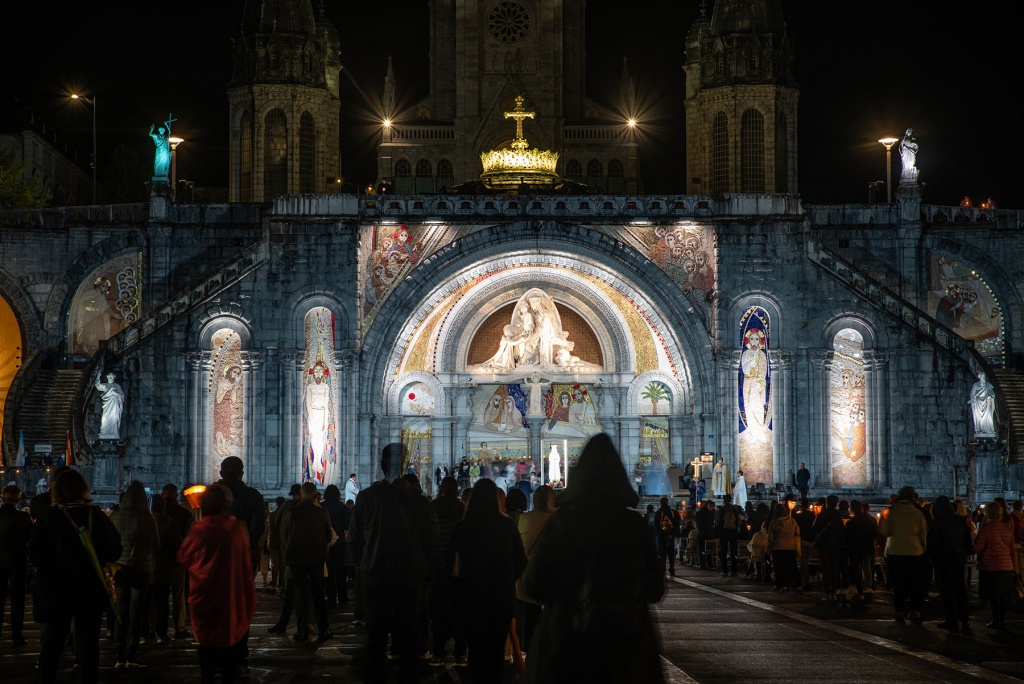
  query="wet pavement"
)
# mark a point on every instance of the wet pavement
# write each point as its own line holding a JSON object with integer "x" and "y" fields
{"x": 713, "y": 629}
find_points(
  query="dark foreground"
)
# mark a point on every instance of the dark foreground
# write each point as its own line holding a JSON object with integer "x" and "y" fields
{"x": 713, "y": 629}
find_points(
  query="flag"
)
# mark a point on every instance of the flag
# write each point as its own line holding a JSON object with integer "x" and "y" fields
{"x": 67, "y": 448}
{"x": 21, "y": 450}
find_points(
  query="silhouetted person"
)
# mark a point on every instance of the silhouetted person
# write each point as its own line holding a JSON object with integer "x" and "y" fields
{"x": 596, "y": 572}
{"x": 15, "y": 530}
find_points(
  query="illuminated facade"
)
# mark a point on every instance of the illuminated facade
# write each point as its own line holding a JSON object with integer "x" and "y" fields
{"x": 306, "y": 335}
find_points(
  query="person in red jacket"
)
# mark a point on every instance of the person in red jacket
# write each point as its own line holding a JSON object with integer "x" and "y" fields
{"x": 997, "y": 561}
{"x": 222, "y": 586}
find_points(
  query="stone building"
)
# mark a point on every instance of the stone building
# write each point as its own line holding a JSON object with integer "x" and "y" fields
{"x": 512, "y": 323}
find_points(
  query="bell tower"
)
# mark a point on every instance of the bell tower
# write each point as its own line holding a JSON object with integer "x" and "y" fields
{"x": 483, "y": 55}
{"x": 741, "y": 101}
{"x": 283, "y": 102}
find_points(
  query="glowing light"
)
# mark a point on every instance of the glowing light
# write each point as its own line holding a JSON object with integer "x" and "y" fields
{"x": 631, "y": 123}
{"x": 387, "y": 123}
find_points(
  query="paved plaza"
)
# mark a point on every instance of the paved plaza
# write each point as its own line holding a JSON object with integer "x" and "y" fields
{"x": 713, "y": 629}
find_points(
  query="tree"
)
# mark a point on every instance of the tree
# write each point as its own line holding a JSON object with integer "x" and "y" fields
{"x": 17, "y": 190}
{"x": 656, "y": 392}
{"x": 127, "y": 171}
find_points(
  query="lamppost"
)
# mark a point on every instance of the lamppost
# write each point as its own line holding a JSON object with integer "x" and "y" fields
{"x": 888, "y": 142}
{"x": 174, "y": 141}
{"x": 91, "y": 101}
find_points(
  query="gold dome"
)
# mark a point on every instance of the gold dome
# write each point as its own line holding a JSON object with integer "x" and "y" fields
{"x": 519, "y": 164}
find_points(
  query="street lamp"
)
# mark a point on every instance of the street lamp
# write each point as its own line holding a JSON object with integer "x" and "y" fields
{"x": 174, "y": 141}
{"x": 91, "y": 101}
{"x": 888, "y": 142}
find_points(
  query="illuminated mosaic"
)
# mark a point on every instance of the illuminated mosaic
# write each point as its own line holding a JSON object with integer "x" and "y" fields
{"x": 106, "y": 301}
{"x": 848, "y": 392}
{"x": 960, "y": 299}
{"x": 227, "y": 398}
{"x": 755, "y": 401}
{"x": 319, "y": 399}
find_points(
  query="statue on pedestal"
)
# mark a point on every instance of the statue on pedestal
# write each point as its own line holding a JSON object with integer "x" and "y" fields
{"x": 113, "y": 404}
{"x": 908, "y": 155}
{"x": 983, "y": 407}
{"x": 162, "y": 161}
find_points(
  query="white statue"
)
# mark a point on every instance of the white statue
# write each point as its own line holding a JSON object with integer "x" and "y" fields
{"x": 908, "y": 155}
{"x": 983, "y": 406}
{"x": 317, "y": 400}
{"x": 534, "y": 339}
{"x": 536, "y": 406}
{"x": 113, "y": 403}
{"x": 554, "y": 465}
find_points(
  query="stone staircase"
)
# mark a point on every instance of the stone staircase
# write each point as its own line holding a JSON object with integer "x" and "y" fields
{"x": 47, "y": 411}
{"x": 1011, "y": 384}
{"x": 1008, "y": 384}
{"x": 227, "y": 275}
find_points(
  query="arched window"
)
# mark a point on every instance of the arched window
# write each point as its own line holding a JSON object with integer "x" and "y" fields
{"x": 574, "y": 170}
{"x": 782, "y": 154}
{"x": 616, "y": 177}
{"x": 424, "y": 176}
{"x": 275, "y": 154}
{"x": 756, "y": 399}
{"x": 445, "y": 174}
{"x": 11, "y": 344}
{"x": 319, "y": 399}
{"x": 719, "y": 154}
{"x": 403, "y": 177}
{"x": 307, "y": 153}
{"x": 848, "y": 411}
{"x": 595, "y": 173}
{"x": 752, "y": 152}
{"x": 245, "y": 159}
{"x": 227, "y": 398}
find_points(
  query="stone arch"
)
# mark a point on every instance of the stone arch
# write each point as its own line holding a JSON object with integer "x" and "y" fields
{"x": 304, "y": 302}
{"x": 25, "y": 312}
{"x": 394, "y": 396}
{"x": 58, "y": 304}
{"x": 866, "y": 330}
{"x": 1006, "y": 292}
{"x": 680, "y": 397}
{"x": 603, "y": 258}
{"x": 498, "y": 291}
{"x": 219, "y": 320}
{"x": 780, "y": 339}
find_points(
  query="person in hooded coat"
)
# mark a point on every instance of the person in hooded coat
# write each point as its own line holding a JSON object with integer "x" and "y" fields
{"x": 596, "y": 572}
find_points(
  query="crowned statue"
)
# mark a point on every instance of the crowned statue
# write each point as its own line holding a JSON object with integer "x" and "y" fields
{"x": 534, "y": 340}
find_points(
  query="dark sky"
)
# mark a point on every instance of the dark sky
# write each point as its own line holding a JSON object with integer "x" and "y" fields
{"x": 865, "y": 70}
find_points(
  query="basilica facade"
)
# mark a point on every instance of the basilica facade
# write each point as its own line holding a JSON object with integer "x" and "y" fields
{"x": 505, "y": 317}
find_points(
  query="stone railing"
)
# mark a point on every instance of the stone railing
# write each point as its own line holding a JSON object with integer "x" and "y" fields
{"x": 227, "y": 275}
{"x": 938, "y": 335}
{"x": 608, "y": 133}
{"x": 62, "y": 217}
{"x": 589, "y": 208}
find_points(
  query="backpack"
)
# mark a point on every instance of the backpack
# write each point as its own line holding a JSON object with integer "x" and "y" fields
{"x": 729, "y": 519}
{"x": 667, "y": 524}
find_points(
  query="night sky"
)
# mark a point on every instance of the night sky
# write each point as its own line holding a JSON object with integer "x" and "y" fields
{"x": 865, "y": 70}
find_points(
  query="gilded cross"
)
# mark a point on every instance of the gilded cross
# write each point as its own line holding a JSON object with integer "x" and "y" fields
{"x": 519, "y": 114}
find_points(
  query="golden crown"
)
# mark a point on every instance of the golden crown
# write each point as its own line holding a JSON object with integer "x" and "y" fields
{"x": 519, "y": 164}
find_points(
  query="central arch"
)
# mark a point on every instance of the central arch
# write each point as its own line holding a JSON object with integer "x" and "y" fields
{"x": 429, "y": 320}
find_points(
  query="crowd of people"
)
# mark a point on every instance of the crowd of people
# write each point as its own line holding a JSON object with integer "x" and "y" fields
{"x": 480, "y": 571}
{"x": 558, "y": 584}
{"x": 908, "y": 546}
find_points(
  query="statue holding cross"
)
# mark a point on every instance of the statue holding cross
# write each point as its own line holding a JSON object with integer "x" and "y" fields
{"x": 162, "y": 139}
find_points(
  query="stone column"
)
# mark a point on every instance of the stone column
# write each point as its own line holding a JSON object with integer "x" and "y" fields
{"x": 785, "y": 420}
{"x": 877, "y": 373}
{"x": 819, "y": 453}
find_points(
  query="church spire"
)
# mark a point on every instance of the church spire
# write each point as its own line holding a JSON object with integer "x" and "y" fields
{"x": 388, "y": 99}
